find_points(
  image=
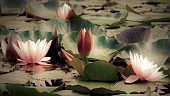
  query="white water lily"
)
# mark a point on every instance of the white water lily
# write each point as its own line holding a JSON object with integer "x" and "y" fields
{"x": 144, "y": 69}
{"x": 31, "y": 52}
{"x": 64, "y": 12}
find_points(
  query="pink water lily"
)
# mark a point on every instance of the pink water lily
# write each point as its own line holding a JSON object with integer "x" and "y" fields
{"x": 64, "y": 12}
{"x": 8, "y": 50}
{"x": 144, "y": 69}
{"x": 31, "y": 52}
{"x": 84, "y": 42}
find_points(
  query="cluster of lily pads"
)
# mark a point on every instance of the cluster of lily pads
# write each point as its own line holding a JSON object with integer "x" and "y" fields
{"x": 96, "y": 59}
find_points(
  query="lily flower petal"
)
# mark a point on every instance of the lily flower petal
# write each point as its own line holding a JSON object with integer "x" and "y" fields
{"x": 66, "y": 55}
{"x": 45, "y": 59}
{"x": 131, "y": 79}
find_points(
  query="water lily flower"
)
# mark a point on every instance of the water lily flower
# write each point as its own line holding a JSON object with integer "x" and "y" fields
{"x": 84, "y": 42}
{"x": 64, "y": 12}
{"x": 31, "y": 52}
{"x": 144, "y": 69}
{"x": 8, "y": 50}
{"x": 66, "y": 55}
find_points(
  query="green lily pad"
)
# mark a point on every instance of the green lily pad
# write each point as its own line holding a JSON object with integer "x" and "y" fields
{"x": 104, "y": 91}
{"x": 12, "y": 6}
{"x": 19, "y": 90}
{"x": 77, "y": 64}
{"x": 101, "y": 71}
{"x": 34, "y": 35}
{"x": 79, "y": 89}
{"x": 46, "y": 10}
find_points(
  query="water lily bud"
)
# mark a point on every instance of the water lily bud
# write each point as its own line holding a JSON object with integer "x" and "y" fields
{"x": 8, "y": 50}
{"x": 84, "y": 42}
{"x": 64, "y": 12}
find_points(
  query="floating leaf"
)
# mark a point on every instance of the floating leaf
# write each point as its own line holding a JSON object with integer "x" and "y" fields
{"x": 34, "y": 35}
{"x": 104, "y": 91}
{"x": 46, "y": 10}
{"x": 78, "y": 88}
{"x": 12, "y": 6}
{"x": 101, "y": 71}
{"x": 134, "y": 35}
{"x": 19, "y": 90}
{"x": 77, "y": 64}
{"x": 84, "y": 24}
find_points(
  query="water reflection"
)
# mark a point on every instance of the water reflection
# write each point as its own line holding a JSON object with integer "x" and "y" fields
{"x": 35, "y": 68}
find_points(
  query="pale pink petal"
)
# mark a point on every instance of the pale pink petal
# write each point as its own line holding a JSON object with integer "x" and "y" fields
{"x": 20, "y": 60}
{"x": 19, "y": 52}
{"x": 32, "y": 48}
{"x": 24, "y": 50}
{"x": 46, "y": 48}
{"x": 21, "y": 63}
{"x": 131, "y": 79}
{"x": 40, "y": 50}
{"x": 37, "y": 50}
{"x": 3, "y": 46}
{"x": 45, "y": 59}
{"x": 44, "y": 63}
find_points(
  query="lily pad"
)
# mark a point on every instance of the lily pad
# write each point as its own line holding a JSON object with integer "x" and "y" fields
{"x": 77, "y": 64}
{"x": 46, "y": 10}
{"x": 104, "y": 91}
{"x": 34, "y": 35}
{"x": 12, "y": 6}
{"x": 134, "y": 35}
{"x": 78, "y": 88}
{"x": 101, "y": 71}
{"x": 19, "y": 90}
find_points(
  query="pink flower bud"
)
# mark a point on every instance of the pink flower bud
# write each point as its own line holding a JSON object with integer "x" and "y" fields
{"x": 64, "y": 12}
{"x": 84, "y": 42}
{"x": 8, "y": 50}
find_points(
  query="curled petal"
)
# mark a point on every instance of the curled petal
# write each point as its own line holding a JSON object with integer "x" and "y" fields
{"x": 45, "y": 59}
{"x": 66, "y": 55}
{"x": 131, "y": 79}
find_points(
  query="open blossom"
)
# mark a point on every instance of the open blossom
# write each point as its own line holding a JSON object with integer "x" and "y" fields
{"x": 8, "y": 50}
{"x": 84, "y": 42}
{"x": 144, "y": 69}
{"x": 31, "y": 52}
{"x": 64, "y": 12}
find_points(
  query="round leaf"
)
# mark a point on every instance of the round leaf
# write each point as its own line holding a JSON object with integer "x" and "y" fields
{"x": 104, "y": 91}
{"x": 101, "y": 71}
